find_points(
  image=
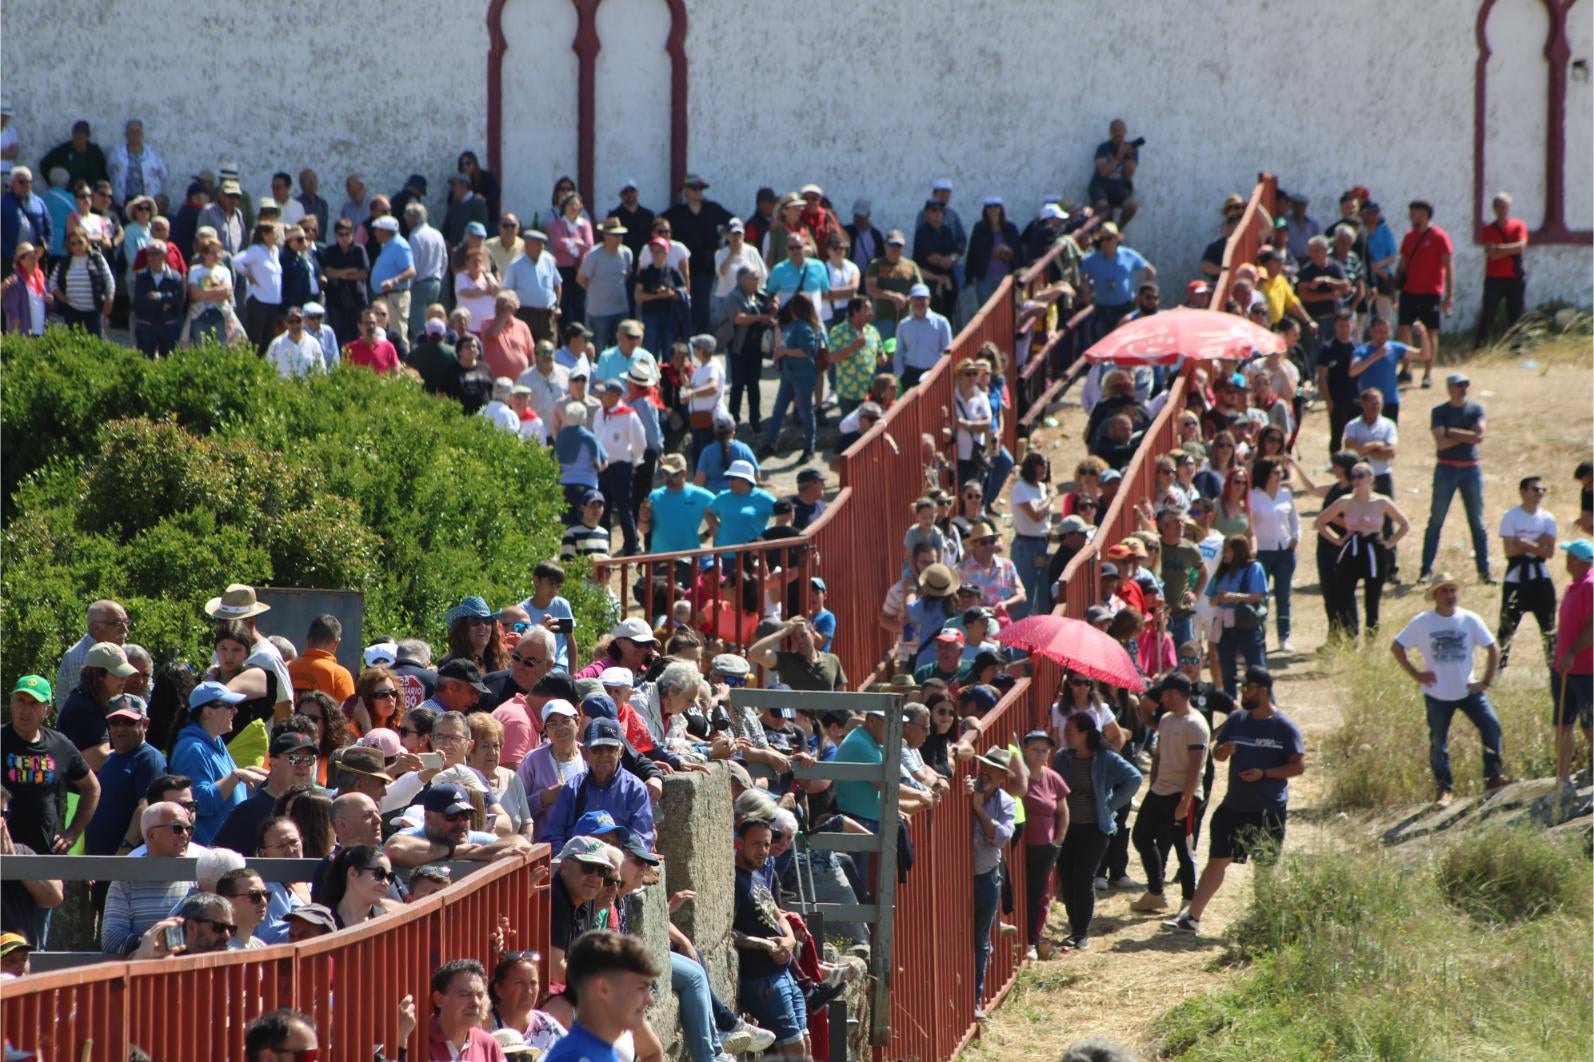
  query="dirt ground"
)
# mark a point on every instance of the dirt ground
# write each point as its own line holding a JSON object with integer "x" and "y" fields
{"x": 1541, "y": 418}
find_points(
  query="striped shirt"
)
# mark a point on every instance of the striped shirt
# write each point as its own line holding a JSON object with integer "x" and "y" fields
{"x": 80, "y": 286}
{"x": 72, "y": 666}
{"x": 585, "y": 541}
{"x": 131, "y": 907}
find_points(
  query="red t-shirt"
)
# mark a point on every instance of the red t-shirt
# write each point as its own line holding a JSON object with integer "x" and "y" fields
{"x": 379, "y": 355}
{"x": 1514, "y": 230}
{"x": 1424, "y": 253}
{"x": 1577, "y": 611}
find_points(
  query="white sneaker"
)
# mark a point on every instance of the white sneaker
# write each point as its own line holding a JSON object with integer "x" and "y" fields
{"x": 1101, "y": 884}
{"x": 1286, "y": 646}
{"x": 1125, "y": 882}
{"x": 737, "y": 1040}
{"x": 979, "y": 1013}
{"x": 763, "y": 1039}
{"x": 1183, "y": 923}
{"x": 1031, "y": 955}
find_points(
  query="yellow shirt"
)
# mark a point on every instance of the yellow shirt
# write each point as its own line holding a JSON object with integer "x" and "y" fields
{"x": 502, "y": 255}
{"x": 1280, "y": 296}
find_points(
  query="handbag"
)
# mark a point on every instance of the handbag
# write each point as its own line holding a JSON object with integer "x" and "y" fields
{"x": 701, "y": 419}
{"x": 1250, "y": 616}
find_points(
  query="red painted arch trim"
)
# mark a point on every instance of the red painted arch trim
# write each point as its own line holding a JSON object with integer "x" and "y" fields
{"x": 586, "y": 46}
{"x": 1557, "y": 53}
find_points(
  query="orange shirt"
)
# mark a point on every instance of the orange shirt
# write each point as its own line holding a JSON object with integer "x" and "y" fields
{"x": 317, "y": 669}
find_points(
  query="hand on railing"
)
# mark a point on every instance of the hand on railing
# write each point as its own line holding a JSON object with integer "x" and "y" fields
{"x": 678, "y": 899}
{"x": 406, "y": 1019}
{"x": 498, "y": 939}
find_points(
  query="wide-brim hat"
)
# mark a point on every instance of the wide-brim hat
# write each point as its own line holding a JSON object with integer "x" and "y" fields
{"x": 998, "y": 757}
{"x": 937, "y": 580}
{"x": 235, "y": 603}
{"x": 1441, "y": 579}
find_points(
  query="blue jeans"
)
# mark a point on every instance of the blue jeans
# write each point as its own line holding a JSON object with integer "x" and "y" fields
{"x": 777, "y": 1004}
{"x": 996, "y": 475}
{"x": 799, "y": 389}
{"x": 208, "y": 325}
{"x": 690, "y": 984}
{"x": 1476, "y": 707}
{"x": 1279, "y": 564}
{"x": 1181, "y": 629}
{"x": 987, "y": 894}
{"x": 1447, "y": 479}
{"x": 1234, "y": 644}
{"x": 1029, "y": 557}
{"x": 658, "y": 333}
{"x": 422, "y": 294}
{"x": 604, "y": 326}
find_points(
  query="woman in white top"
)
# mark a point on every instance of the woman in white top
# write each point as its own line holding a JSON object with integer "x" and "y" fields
{"x": 729, "y": 261}
{"x": 261, "y": 266}
{"x": 210, "y": 297}
{"x": 972, "y": 414}
{"x": 476, "y": 290}
{"x": 1276, "y": 530}
{"x": 844, "y": 279}
{"x": 1032, "y": 529}
{"x": 704, "y": 394}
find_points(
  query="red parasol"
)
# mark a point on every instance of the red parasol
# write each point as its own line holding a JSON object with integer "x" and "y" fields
{"x": 1202, "y": 335}
{"x": 1076, "y": 645}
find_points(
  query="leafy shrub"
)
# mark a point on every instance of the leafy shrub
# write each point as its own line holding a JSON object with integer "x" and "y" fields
{"x": 158, "y": 483}
{"x": 1511, "y": 874}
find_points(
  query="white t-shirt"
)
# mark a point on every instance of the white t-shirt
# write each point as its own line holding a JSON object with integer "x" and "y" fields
{"x": 296, "y": 359}
{"x": 710, "y": 372}
{"x": 206, "y": 278}
{"x": 845, "y": 275}
{"x": 1527, "y": 527}
{"x": 725, "y": 280}
{"x": 501, "y": 416}
{"x": 972, "y": 407}
{"x": 1381, "y": 430}
{"x": 481, "y": 307}
{"x": 1033, "y": 493}
{"x": 1446, "y": 644}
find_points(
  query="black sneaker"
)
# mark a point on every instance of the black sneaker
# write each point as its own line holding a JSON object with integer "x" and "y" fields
{"x": 805, "y": 457}
{"x": 820, "y": 996}
{"x": 765, "y": 452}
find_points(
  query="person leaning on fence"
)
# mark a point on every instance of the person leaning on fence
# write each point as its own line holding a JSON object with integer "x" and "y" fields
{"x": 132, "y": 907}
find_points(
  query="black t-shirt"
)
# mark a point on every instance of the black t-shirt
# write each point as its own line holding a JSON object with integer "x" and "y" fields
{"x": 19, "y": 912}
{"x": 653, "y": 279}
{"x": 1319, "y": 304}
{"x": 1214, "y": 251}
{"x": 1335, "y": 356}
{"x": 37, "y": 773}
{"x": 756, "y": 916}
{"x": 83, "y": 721}
{"x": 435, "y": 361}
{"x": 566, "y": 921}
{"x": 805, "y": 513}
{"x": 473, "y": 386}
{"x": 347, "y": 295}
{"x": 699, "y": 231}
{"x": 242, "y": 824}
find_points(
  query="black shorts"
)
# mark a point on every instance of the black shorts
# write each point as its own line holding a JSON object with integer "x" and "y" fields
{"x": 1424, "y": 308}
{"x": 1238, "y": 835}
{"x": 1116, "y": 192}
{"x": 1576, "y": 706}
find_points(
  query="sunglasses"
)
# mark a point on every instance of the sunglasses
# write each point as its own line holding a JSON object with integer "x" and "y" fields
{"x": 190, "y": 806}
{"x": 458, "y": 816}
{"x": 256, "y": 895}
{"x": 1361, "y": 475}
{"x": 1189, "y": 660}
{"x": 1079, "y": 682}
{"x": 226, "y": 928}
{"x": 481, "y": 621}
{"x": 383, "y": 695}
{"x": 300, "y": 759}
{"x": 532, "y": 957}
{"x": 591, "y": 870}
{"x": 528, "y": 661}
{"x": 381, "y": 874}
{"x": 175, "y": 827}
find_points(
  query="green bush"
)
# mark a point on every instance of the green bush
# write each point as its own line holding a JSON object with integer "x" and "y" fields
{"x": 1512, "y": 874}
{"x": 158, "y": 483}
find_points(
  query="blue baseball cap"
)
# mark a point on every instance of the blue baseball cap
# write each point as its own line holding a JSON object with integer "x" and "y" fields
{"x": 594, "y": 824}
{"x": 447, "y": 800}
{"x": 1580, "y": 548}
{"x": 475, "y": 228}
{"x": 601, "y": 733}
{"x": 210, "y": 692}
{"x": 600, "y": 706}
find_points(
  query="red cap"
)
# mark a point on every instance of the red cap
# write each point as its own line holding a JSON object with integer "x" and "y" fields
{"x": 950, "y": 635}
{"x": 1197, "y": 287}
{"x": 660, "y": 243}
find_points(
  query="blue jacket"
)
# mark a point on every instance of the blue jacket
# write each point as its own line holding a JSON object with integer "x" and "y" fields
{"x": 159, "y": 301}
{"x": 206, "y": 760}
{"x": 12, "y": 211}
{"x": 1114, "y": 779}
{"x": 625, "y": 797}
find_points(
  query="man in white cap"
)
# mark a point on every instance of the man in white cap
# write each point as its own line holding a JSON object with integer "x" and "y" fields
{"x": 940, "y": 255}
{"x": 393, "y": 272}
{"x": 741, "y": 512}
{"x": 1458, "y": 427}
{"x": 868, "y": 243}
{"x": 497, "y": 411}
{"x": 534, "y": 276}
{"x": 621, "y": 434}
{"x": 315, "y": 326}
{"x": 924, "y": 337}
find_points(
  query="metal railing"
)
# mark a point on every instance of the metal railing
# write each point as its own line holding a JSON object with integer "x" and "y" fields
{"x": 350, "y": 982}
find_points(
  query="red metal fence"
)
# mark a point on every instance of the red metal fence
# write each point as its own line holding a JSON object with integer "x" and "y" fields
{"x": 350, "y": 982}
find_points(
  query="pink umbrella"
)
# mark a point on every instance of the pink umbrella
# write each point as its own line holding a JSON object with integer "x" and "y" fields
{"x": 1075, "y": 645}
{"x": 1201, "y": 335}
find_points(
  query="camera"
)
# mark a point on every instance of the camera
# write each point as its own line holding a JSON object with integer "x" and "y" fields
{"x": 719, "y": 719}
{"x": 1138, "y": 142}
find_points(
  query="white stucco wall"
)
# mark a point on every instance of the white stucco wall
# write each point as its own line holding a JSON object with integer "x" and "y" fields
{"x": 1005, "y": 97}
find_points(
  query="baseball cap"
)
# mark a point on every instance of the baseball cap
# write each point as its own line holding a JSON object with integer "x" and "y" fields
{"x": 534, "y": 234}
{"x": 592, "y": 496}
{"x": 741, "y": 470}
{"x": 1197, "y": 287}
{"x": 982, "y": 697}
{"x": 731, "y": 665}
{"x": 808, "y": 475}
{"x": 819, "y": 584}
{"x": 587, "y": 850}
{"x": 896, "y": 239}
{"x": 631, "y": 844}
{"x": 381, "y": 654}
{"x": 383, "y": 740}
{"x": 1053, "y": 212}
{"x": 288, "y": 741}
{"x": 559, "y": 706}
{"x": 943, "y": 184}
{"x": 636, "y": 629}
{"x": 314, "y": 309}
{"x": 208, "y": 692}
{"x": 1108, "y": 568}
{"x": 1073, "y": 524}
{"x": 594, "y": 824}
{"x": 316, "y": 914}
{"x": 447, "y": 800}
{"x": 919, "y": 291}
{"x": 975, "y": 614}
{"x": 1110, "y": 475}
{"x": 1040, "y": 735}
{"x": 10, "y": 942}
{"x": 950, "y": 636}
{"x": 127, "y": 706}
{"x": 35, "y": 686}
{"x": 111, "y": 657}
{"x": 386, "y": 223}
{"x": 417, "y": 181}
{"x": 616, "y": 676}
{"x": 1457, "y": 379}
{"x": 599, "y": 706}
{"x": 1580, "y": 548}
{"x": 862, "y": 208}
{"x": 464, "y": 671}
{"x": 602, "y": 733}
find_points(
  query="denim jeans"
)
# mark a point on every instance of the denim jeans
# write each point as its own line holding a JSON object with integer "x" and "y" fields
{"x": 777, "y": 1004}
{"x": 1236, "y": 643}
{"x": 1181, "y": 629}
{"x": 1279, "y": 564}
{"x": 690, "y": 984}
{"x": 658, "y": 332}
{"x": 987, "y": 893}
{"x": 208, "y": 325}
{"x": 801, "y": 390}
{"x": 604, "y": 326}
{"x": 1447, "y": 479}
{"x": 1030, "y": 558}
{"x": 1476, "y": 707}
{"x": 704, "y": 312}
{"x": 422, "y": 294}
{"x": 996, "y": 475}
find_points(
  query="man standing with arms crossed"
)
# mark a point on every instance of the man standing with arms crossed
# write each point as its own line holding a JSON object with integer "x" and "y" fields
{"x": 1447, "y": 635}
{"x": 1572, "y": 670}
{"x": 1527, "y": 533}
{"x": 1458, "y": 429}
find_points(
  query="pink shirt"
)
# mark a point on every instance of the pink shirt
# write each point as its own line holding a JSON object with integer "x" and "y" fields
{"x": 1577, "y": 611}
{"x": 481, "y": 1047}
{"x": 561, "y": 232}
{"x": 1046, "y": 790}
{"x": 379, "y": 356}
{"x": 520, "y": 733}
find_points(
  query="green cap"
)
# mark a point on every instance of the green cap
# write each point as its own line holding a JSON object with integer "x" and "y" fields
{"x": 889, "y": 346}
{"x": 35, "y": 687}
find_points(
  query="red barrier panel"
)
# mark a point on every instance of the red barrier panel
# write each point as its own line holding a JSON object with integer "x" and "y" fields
{"x": 349, "y": 982}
